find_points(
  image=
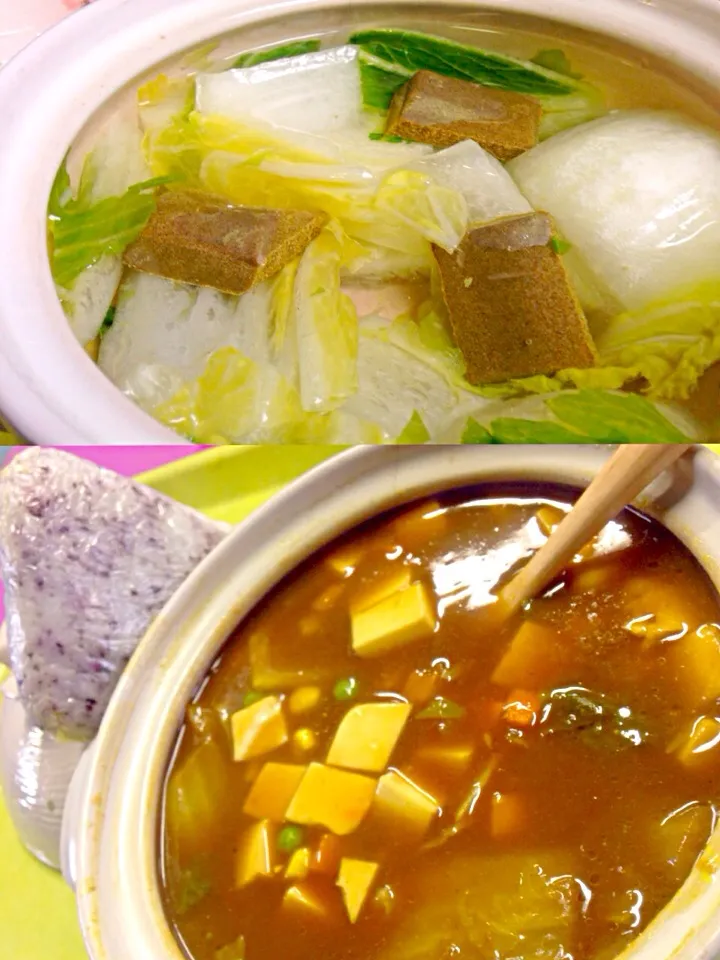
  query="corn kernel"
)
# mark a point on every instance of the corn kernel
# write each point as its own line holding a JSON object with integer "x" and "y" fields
{"x": 304, "y": 699}
{"x": 305, "y": 740}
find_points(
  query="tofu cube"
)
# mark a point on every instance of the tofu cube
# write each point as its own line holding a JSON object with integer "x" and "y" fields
{"x": 403, "y": 806}
{"x": 367, "y": 736}
{"x": 701, "y": 746}
{"x": 402, "y": 618}
{"x": 256, "y": 855}
{"x": 532, "y": 660}
{"x": 696, "y": 657}
{"x": 658, "y": 609}
{"x": 450, "y": 759}
{"x": 272, "y": 791}
{"x": 355, "y": 879}
{"x": 258, "y": 729}
{"x": 306, "y": 902}
{"x": 369, "y": 594}
{"x": 548, "y": 518}
{"x": 335, "y": 799}
{"x": 422, "y": 523}
{"x": 298, "y": 865}
{"x": 345, "y": 559}
{"x": 421, "y": 686}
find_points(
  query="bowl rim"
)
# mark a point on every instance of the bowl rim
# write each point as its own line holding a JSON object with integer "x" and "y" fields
{"x": 113, "y": 820}
{"x": 50, "y": 389}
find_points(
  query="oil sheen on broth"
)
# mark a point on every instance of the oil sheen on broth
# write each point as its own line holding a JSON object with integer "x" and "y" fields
{"x": 377, "y": 767}
{"x": 360, "y": 309}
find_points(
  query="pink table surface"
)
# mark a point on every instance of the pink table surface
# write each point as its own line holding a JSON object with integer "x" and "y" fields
{"x": 22, "y": 20}
{"x": 124, "y": 460}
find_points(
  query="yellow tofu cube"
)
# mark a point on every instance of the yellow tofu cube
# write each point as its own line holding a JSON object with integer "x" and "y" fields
{"x": 256, "y": 855}
{"x": 372, "y": 593}
{"x": 452, "y": 759}
{"x": 298, "y": 865}
{"x": 266, "y": 675}
{"x": 661, "y": 606}
{"x": 335, "y": 799}
{"x": 548, "y": 518}
{"x": 696, "y": 658}
{"x": 355, "y": 879}
{"x": 306, "y": 903}
{"x": 592, "y": 577}
{"x": 402, "y": 618}
{"x": 367, "y": 736}
{"x": 345, "y": 559}
{"x": 533, "y": 659}
{"x": 403, "y": 806}
{"x": 258, "y": 729}
{"x": 304, "y": 699}
{"x": 423, "y": 522}
{"x": 701, "y": 746}
{"x": 272, "y": 791}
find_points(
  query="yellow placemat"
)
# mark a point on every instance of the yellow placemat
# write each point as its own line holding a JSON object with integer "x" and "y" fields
{"x": 37, "y": 910}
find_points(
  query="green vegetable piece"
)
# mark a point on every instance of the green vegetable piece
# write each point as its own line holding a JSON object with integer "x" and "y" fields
{"x": 346, "y": 688}
{"x": 108, "y": 321}
{"x": 591, "y": 416}
{"x": 440, "y": 708}
{"x": 593, "y": 718}
{"x": 390, "y": 57}
{"x": 510, "y": 430}
{"x": 190, "y": 888}
{"x": 294, "y": 49}
{"x": 386, "y": 137}
{"x": 82, "y": 232}
{"x": 414, "y": 430}
{"x": 557, "y": 61}
{"x": 290, "y": 838}
{"x": 61, "y": 192}
{"x": 251, "y": 697}
{"x": 475, "y": 433}
{"x": 614, "y": 417}
{"x": 560, "y": 246}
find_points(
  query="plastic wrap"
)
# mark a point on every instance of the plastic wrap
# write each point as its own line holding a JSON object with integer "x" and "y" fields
{"x": 88, "y": 559}
{"x": 35, "y": 774}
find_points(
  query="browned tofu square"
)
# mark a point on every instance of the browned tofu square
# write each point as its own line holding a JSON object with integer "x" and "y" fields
{"x": 442, "y": 111}
{"x": 204, "y": 240}
{"x": 512, "y": 308}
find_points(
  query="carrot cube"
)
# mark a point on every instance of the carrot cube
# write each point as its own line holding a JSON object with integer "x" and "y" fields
{"x": 522, "y": 708}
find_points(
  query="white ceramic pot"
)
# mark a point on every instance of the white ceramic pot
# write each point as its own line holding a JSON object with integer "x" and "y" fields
{"x": 49, "y": 389}
{"x": 110, "y": 829}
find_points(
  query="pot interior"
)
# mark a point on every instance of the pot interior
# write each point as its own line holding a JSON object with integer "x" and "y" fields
{"x": 157, "y": 377}
{"x": 564, "y": 724}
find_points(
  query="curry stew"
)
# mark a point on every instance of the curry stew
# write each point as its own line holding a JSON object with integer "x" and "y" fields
{"x": 379, "y": 767}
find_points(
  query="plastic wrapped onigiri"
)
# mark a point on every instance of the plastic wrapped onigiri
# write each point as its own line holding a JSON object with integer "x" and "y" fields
{"x": 88, "y": 559}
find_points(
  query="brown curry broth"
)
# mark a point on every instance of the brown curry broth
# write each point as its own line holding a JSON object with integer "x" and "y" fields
{"x": 599, "y": 806}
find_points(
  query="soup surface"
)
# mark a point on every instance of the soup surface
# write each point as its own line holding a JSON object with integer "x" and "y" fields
{"x": 380, "y": 766}
{"x": 384, "y": 233}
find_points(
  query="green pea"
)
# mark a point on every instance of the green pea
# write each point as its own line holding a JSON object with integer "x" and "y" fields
{"x": 290, "y": 838}
{"x": 345, "y": 689}
{"x": 251, "y": 697}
